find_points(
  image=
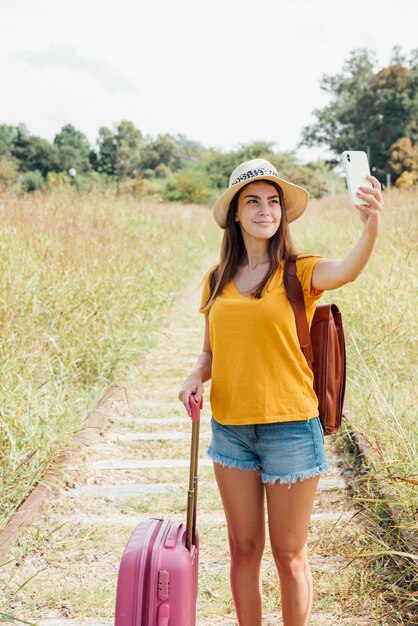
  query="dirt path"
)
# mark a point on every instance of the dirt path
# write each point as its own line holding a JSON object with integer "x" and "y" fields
{"x": 139, "y": 468}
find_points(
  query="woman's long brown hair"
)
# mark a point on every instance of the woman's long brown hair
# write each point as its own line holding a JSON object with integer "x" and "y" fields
{"x": 280, "y": 249}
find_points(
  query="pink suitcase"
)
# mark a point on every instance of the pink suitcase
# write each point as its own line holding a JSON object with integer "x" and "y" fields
{"x": 157, "y": 582}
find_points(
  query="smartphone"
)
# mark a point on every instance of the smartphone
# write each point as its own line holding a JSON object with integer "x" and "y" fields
{"x": 356, "y": 168}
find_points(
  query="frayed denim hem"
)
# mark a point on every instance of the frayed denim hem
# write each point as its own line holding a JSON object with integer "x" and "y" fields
{"x": 269, "y": 479}
{"x": 232, "y": 463}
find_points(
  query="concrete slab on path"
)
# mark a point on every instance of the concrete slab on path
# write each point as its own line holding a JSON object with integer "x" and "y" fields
{"x": 129, "y": 490}
{"x": 152, "y": 421}
{"x": 317, "y": 619}
{"x": 133, "y": 490}
{"x": 163, "y": 436}
{"x": 121, "y": 464}
{"x": 73, "y": 622}
{"x": 212, "y": 519}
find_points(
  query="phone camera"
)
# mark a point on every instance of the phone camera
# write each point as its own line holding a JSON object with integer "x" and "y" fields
{"x": 348, "y": 158}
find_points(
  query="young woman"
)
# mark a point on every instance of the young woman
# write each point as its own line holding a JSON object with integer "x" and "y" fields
{"x": 267, "y": 440}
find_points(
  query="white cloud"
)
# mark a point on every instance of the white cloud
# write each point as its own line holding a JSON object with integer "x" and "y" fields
{"x": 68, "y": 57}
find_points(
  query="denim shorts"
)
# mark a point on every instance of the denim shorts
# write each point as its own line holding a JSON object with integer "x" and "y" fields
{"x": 281, "y": 451}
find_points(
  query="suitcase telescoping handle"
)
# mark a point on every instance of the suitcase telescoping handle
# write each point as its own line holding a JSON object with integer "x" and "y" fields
{"x": 194, "y": 456}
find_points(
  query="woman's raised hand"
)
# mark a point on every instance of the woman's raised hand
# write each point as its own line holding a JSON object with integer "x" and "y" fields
{"x": 370, "y": 213}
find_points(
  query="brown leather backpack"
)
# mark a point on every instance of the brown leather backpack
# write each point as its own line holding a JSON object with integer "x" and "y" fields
{"x": 324, "y": 350}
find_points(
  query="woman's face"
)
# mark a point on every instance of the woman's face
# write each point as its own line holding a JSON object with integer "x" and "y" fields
{"x": 258, "y": 210}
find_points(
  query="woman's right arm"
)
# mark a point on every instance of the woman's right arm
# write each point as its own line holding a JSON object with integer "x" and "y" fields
{"x": 200, "y": 374}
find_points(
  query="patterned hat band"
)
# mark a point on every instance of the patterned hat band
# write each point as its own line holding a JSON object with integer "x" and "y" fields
{"x": 261, "y": 171}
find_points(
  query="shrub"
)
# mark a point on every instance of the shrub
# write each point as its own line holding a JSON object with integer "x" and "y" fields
{"x": 8, "y": 171}
{"x": 31, "y": 181}
{"x": 189, "y": 187}
{"x": 406, "y": 179}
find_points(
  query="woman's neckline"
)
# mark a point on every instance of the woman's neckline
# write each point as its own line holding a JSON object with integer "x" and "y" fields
{"x": 235, "y": 288}
{"x": 238, "y": 292}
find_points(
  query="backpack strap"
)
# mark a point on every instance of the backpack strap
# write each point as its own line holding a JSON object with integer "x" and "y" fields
{"x": 295, "y": 294}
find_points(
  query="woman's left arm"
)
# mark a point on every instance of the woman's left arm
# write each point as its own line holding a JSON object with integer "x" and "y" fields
{"x": 329, "y": 274}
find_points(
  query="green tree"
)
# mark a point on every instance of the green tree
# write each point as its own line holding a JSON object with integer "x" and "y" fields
{"x": 254, "y": 150}
{"x": 163, "y": 151}
{"x": 73, "y": 150}
{"x": 128, "y": 149}
{"x": 189, "y": 150}
{"x": 318, "y": 177}
{"x": 218, "y": 167}
{"x": 119, "y": 150}
{"x": 396, "y": 109}
{"x": 369, "y": 109}
{"x": 34, "y": 153}
{"x": 345, "y": 122}
{"x": 105, "y": 161}
{"x": 7, "y": 137}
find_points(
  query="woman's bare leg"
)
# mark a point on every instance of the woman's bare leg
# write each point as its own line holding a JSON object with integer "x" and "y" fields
{"x": 242, "y": 494}
{"x": 289, "y": 512}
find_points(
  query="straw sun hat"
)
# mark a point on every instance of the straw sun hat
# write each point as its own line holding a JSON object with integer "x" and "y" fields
{"x": 296, "y": 198}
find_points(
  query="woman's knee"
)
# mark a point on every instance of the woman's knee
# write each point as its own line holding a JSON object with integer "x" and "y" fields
{"x": 290, "y": 562}
{"x": 246, "y": 549}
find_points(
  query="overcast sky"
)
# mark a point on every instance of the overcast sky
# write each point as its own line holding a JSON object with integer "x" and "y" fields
{"x": 222, "y": 72}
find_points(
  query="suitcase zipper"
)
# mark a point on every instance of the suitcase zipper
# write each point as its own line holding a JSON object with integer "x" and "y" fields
{"x": 147, "y": 582}
{"x": 164, "y": 540}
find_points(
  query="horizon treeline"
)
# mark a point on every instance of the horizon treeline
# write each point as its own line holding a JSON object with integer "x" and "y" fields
{"x": 168, "y": 167}
{"x": 370, "y": 109}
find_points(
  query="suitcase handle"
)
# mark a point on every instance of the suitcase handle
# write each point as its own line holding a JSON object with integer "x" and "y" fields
{"x": 196, "y": 407}
{"x": 194, "y": 456}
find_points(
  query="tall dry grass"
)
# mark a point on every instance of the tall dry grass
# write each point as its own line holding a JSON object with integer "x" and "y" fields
{"x": 85, "y": 281}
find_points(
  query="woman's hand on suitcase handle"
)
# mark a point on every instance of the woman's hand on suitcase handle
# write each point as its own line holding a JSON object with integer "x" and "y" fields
{"x": 196, "y": 407}
{"x": 192, "y": 386}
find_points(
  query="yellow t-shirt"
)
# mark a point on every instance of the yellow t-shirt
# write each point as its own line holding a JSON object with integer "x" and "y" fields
{"x": 259, "y": 374}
